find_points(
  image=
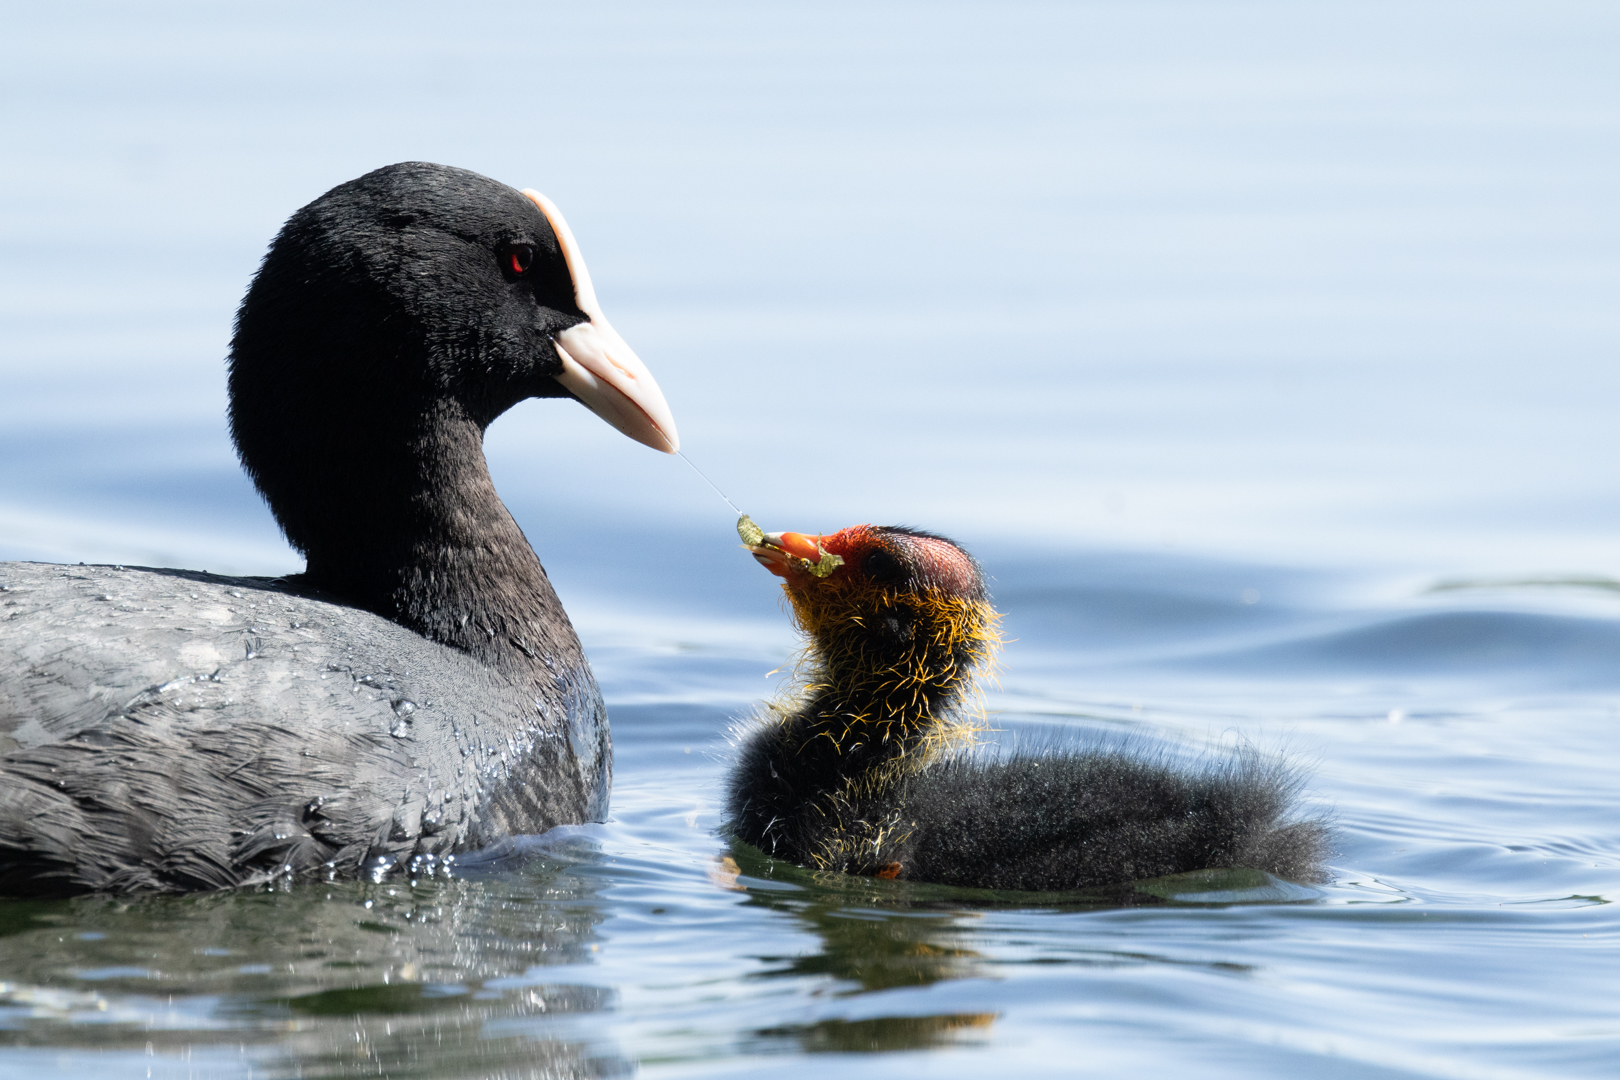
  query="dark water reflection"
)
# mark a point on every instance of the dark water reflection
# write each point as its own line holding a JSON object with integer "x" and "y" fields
{"x": 339, "y": 979}
{"x": 870, "y": 1036}
{"x": 863, "y": 940}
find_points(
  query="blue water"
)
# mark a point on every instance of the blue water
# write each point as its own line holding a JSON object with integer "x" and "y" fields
{"x": 1262, "y": 352}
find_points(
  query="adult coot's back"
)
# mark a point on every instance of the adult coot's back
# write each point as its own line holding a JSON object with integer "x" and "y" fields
{"x": 418, "y": 690}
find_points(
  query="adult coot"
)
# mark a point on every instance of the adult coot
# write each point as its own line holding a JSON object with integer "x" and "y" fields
{"x": 418, "y": 690}
{"x": 865, "y": 772}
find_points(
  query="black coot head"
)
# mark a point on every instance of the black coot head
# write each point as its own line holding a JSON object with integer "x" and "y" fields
{"x": 391, "y": 316}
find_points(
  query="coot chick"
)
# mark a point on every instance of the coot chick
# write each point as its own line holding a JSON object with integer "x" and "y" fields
{"x": 418, "y": 690}
{"x": 869, "y": 769}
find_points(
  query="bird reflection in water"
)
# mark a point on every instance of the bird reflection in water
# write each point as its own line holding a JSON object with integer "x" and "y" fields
{"x": 878, "y": 1034}
{"x": 439, "y": 978}
{"x": 868, "y": 944}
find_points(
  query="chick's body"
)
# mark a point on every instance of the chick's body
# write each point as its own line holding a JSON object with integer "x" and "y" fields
{"x": 869, "y": 769}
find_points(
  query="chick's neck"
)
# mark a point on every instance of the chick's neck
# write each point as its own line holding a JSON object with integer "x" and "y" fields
{"x": 889, "y": 671}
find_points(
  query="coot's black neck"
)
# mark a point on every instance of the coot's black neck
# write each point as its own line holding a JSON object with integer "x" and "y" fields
{"x": 425, "y": 541}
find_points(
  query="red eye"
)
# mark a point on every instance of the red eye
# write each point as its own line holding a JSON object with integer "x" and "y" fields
{"x": 519, "y": 257}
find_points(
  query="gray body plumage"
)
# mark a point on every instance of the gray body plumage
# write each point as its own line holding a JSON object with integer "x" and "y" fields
{"x": 170, "y": 730}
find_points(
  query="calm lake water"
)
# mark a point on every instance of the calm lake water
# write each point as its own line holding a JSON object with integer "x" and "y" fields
{"x": 1263, "y": 352}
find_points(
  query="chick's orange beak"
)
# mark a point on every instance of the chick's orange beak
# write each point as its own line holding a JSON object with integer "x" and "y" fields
{"x": 773, "y": 559}
{"x": 780, "y": 552}
{"x": 805, "y": 547}
{"x": 790, "y": 554}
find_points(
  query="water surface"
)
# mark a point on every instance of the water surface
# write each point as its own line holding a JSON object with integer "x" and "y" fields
{"x": 1263, "y": 353}
{"x": 1464, "y": 747}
